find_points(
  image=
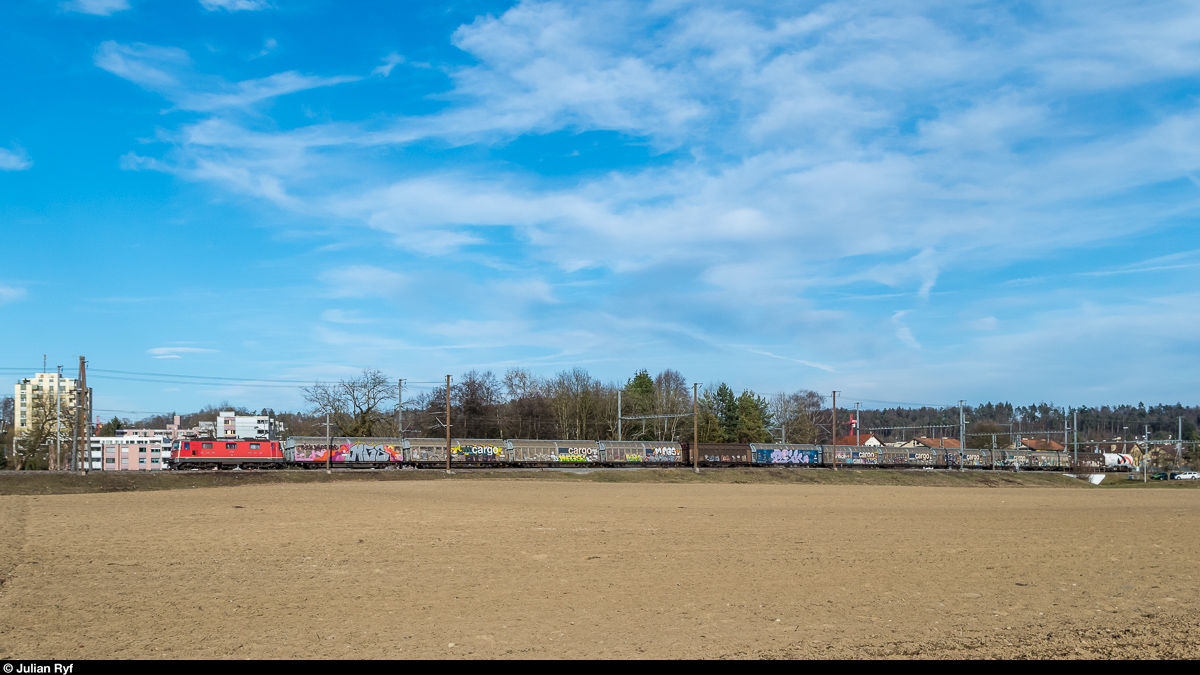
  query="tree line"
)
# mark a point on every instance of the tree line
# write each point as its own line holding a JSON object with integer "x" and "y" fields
{"x": 569, "y": 405}
{"x": 573, "y": 404}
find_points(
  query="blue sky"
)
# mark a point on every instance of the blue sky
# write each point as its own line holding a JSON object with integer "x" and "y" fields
{"x": 906, "y": 201}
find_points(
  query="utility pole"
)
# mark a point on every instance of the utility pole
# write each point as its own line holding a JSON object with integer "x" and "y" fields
{"x": 328, "y": 447}
{"x": 1075, "y": 424}
{"x": 857, "y": 422}
{"x": 447, "y": 424}
{"x": 1066, "y": 435}
{"x": 1146, "y": 452}
{"x": 962, "y": 436}
{"x": 80, "y": 448}
{"x": 834, "y": 434}
{"x": 695, "y": 427}
{"x": 619, "y": 414}
{"x": 1179, "y": 444}
{"x": 400, "y": 409}
{"x": 57, "y": 422}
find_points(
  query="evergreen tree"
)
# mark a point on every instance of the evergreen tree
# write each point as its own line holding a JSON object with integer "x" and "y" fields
{"x": 726, "y": 410}
{"x": 753, "y": 418}
{"x": 110, "y": 429}
{"x": 639, "y": 397}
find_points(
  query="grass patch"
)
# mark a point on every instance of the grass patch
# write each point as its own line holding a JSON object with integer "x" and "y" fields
{"x": 48, "y": 483}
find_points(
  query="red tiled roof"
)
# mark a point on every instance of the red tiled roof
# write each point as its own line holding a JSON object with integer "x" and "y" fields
{"x": 939, "y": 442}
{"x": 1042, "y": 446}
{"x": 860, "y": 439}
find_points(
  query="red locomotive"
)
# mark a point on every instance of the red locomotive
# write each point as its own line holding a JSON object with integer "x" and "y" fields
{"x": 211, "y": 453}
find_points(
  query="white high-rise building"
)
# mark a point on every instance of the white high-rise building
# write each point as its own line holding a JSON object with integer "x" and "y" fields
{"x": 232, "y": 425}
{"x": 47, "y": 385}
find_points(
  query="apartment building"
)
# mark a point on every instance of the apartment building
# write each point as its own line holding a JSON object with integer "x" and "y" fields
{"x": 128, "y": 453}
{"x": 47, "y": 385}
{"x": 232, "y": 425}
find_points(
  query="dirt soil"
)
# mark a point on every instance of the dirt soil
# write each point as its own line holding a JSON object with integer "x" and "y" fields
{"x": 500, "y": 568}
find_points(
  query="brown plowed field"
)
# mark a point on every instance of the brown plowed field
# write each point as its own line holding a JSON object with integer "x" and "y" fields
{"x": 580, "y": 570}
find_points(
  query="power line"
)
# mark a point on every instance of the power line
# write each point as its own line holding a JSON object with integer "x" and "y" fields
{"x": 201, "y": 377}
{"x": 134, "y": 412}
{"x": 196, "y": 383}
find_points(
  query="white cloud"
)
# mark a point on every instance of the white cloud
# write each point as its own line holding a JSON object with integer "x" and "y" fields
{"x": 177, "y": 352}
{"x": 903, "y": 332}
{"x": 810, "y": 364}
{"x": 234, "y": 5}
{"x": 344, "y": 316}
{"x": 14, "y": 160}
{"x": 268, "y": 47}
{"x": 98, "y": 7}
{"x": 364, "y": 281}
{"x": 389, "y": 62}
{"x": 799, "y": 161}
{"x": 11, "y": 294}
{"x": 985, "y": 323}
{"x": 167, "y": 71}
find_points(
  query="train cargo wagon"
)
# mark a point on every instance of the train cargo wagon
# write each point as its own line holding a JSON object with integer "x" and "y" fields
{"x": 547, "y": 452}
{"x": 975, "y": 459}
{"x": 786, "y": 454}
{"x": 1118, "y": 462}
{"x": 1049, "y": 460}
{"x": 725, "y": 453}
{"x": 1010, "y": 459}
{"x": 850, "y": 455}
{"x": 1087, "y": 462}
{"x": 425, "y": 450}
{"x": 906, "y": 457}
{"x": 657, "y": 452}
{"x": 344, "y": 450}
{"x": 477, "y": 451}
{"x": 213, "y": 453}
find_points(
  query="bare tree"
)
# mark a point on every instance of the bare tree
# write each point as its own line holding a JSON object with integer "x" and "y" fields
{"x": 578, "y": 400}
{"x": 477, "y": 397}
{"x": 528, "y": 410}
{"x": 36, "y": 448}
{"x": 799, "y": 413}
{"x": 671, "y": 397}
{"x": 362, "y": 406}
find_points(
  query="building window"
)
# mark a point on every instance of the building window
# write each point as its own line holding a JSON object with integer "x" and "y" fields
{"x": 141, "y": 450}
{"x": 154, "y": 460}
{"x": 141, "y": 460}
{"x": 110, "y": 460}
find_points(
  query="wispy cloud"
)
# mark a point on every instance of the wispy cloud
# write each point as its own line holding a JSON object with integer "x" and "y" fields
{"x": 166, "y": 71}
{"x": 177, "y": 352}
{"x": 364, "y": 281}
{"x": 810, "y": 364}
{"x": 903, "y": 332}
{"x": 389, "y": 62}
{"x": 788, "y": 158}
{"x": 235, "y": 5}
{"x": 14, "y": 160}
{"x": 344, "y": 316}
{"x": 98, "y": 7}
{"x": 11, "y": 294}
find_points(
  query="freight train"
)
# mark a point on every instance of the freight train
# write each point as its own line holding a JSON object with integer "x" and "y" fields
{"x": 384, "y": 453}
